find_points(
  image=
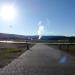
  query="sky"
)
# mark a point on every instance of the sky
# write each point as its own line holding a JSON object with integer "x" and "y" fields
{"x": 46, "y": 17}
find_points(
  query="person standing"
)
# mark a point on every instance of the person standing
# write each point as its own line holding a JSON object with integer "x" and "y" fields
{"x": 27, "y": 46}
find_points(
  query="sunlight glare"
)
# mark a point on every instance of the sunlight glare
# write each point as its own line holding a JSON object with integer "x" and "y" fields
{"x": 8, "y": 12}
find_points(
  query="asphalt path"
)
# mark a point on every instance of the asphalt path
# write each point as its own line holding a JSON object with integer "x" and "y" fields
{"x": 41, "y": 60}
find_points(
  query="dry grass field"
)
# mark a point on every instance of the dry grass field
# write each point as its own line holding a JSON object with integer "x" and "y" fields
{"x": 10, "y": 51}
{"x": 69, "y": 48}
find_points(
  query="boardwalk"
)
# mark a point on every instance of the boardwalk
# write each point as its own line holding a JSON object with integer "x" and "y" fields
{"x": 41, "y": 60}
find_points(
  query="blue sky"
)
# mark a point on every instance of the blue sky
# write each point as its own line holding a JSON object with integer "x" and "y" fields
{"x": 56, "y": 16}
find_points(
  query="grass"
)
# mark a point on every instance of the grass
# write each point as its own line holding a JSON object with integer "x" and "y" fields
{"x": 66, "y": 48}
{"x": 9, "y": 54}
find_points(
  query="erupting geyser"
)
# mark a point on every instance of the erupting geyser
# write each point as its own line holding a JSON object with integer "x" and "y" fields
{"x": 40, "y": 30}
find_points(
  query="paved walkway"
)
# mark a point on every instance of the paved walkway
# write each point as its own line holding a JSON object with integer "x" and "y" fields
{"x": 41, "y": 60}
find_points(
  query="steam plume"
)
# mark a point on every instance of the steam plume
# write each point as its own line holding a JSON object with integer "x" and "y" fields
{"x": 40, "y": 29}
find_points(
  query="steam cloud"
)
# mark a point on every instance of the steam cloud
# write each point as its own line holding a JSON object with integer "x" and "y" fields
{"x": 40, "y": 29}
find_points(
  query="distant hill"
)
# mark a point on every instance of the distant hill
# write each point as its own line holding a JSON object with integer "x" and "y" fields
{"x": 52, "y": 37}
{"x": 4, "y": 36}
